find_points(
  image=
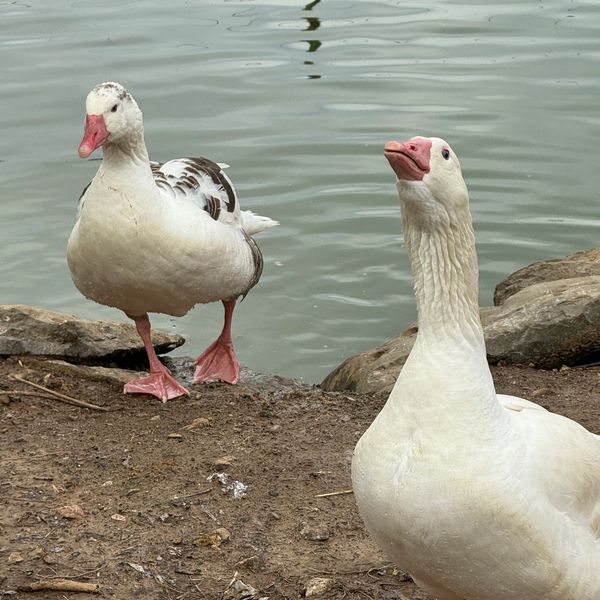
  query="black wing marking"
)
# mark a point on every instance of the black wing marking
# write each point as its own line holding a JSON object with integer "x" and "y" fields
{"x": 257, "y": 258}
{"x": 199, "y": 177}
{"x": 81, "y": 200}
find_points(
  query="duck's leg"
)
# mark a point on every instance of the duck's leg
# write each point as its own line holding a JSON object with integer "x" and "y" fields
{"x": 159, "y": 382}
{"x": 218, "y": 361}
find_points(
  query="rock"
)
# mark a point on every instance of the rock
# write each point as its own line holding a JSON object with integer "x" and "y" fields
{"x": 374, "y": 370}
{"x": 315, "y": 533}
{"x": 240, "y": 590}
{"x": 223, "y": 463}
{"x": 28, "y": 331}
{"x": 318, "y": 586}
{"x": 546, "y": 325}
{"x": 71, "y": 511}
{"x": 580, "y": 264}
{"x": 15, "y": 557}
{"x": 549, "y": 324}
{"x": 213, "y": 538}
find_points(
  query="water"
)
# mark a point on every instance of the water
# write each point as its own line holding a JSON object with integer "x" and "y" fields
{"x": 300, "y": 99}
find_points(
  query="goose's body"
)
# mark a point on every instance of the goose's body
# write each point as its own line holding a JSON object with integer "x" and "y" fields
{"x": 153, "y": 237}
{"x": 478, "y": 496}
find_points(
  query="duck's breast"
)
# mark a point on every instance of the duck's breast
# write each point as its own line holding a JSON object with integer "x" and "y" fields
{"x": 151, "y": 255}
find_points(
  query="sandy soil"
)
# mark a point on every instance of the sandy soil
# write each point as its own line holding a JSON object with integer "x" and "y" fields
{"x": 147, "y": 514}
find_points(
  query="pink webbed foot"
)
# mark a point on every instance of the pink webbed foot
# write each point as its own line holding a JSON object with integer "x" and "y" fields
{"x": 158, "y": 383}
{"x": 217, "y": 363}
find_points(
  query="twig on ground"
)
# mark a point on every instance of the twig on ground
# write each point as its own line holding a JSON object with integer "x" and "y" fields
{"x": 329, "y": 494}
{"x": 61, "y": 585}
{"x": 353, "y": 571}
{"x": 198, "y": 493}
{"x": 57, "y": 395}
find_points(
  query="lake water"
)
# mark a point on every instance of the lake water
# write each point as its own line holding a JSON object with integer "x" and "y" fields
{"x": 299, "y": 100}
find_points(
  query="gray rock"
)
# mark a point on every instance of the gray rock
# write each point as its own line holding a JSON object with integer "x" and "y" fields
{"x": 547, "y": 324}
{"x": 315, "y": 533}
{"x": 28, "y": 331}
{"x": 580, "y": 264}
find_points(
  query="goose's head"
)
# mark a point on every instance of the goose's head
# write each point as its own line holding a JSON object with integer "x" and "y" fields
{"x": 432, "y": 190}
{"x": 111, "y": 115}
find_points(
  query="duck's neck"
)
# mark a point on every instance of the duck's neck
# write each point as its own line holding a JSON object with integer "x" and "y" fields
{"x": 445, "y": 271}
{"x": 126, "y": 153}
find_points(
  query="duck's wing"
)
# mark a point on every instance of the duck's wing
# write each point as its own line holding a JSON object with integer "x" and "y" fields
{"x": 201, "y": 181}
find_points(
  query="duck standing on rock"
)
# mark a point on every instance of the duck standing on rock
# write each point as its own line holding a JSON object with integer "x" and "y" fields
{"x": 153, "y": 237}
{"x": 478, "y": 496}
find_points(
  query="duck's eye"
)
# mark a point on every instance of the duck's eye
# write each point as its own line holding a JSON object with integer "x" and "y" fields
{"x": 446, "y": 153}
{"x": 114, "y": 108}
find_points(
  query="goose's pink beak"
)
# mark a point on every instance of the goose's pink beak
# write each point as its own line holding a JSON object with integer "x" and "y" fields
{"x": 94, "y": 135}
{"x": 409, "y": 160}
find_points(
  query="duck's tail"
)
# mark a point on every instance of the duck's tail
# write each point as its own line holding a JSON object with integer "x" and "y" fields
{"x": 255, "y": 223}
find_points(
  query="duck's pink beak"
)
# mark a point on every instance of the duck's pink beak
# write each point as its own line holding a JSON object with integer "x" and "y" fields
{"x": 409, "y": 160}
{"x": 94, "y": 135}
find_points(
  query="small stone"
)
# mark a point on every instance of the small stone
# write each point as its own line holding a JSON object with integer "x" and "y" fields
{"x": 15, "y": 557}
{"x": 175, "y": 436}
{"x": 223, "y": 533}
{"x": 49, "y": 559}
{"x": 315, "y": 533}
{"x": 198, "y": 423}
{"x": 254, "y": 563}
{"x": 213, "y": 538}
{"x": 118, "y": 517}
{"x": 220, "y": 464}
{"x": 318, "y": 586}
{"x": 71, "y": 511}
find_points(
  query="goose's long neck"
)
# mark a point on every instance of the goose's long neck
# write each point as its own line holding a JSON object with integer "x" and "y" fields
{"x": 127, "y": 153}
{"x": 445, "y": 271}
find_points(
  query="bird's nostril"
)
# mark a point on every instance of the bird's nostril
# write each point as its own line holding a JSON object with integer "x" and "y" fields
{"x": 413, "y": 147}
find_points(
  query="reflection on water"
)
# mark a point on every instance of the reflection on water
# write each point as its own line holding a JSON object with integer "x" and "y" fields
{"x": 304, "y": 138}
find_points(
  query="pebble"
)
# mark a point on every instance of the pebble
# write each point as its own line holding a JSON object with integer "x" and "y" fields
{"x": 318, "y": 586}
{"x": 315, "y": 533}
{"x": 71, "y": 511}
{"x": 220, "y": 464}
{"x": 15, "y": 557}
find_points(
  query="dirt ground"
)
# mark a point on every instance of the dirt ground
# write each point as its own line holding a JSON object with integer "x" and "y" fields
{"x": 121, "y": 497}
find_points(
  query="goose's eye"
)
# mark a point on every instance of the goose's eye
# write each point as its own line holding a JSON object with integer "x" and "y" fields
{"x": 446, "y": 153}
{"x": 114, "y": 108}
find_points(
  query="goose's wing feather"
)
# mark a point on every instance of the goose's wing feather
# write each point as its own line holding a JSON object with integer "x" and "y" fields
{"x": 201, "y": 181}
{"x": 562, "y": 458}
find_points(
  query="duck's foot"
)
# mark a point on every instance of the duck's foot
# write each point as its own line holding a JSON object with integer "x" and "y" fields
{"x": 158, "y": 383}
{"x": 217, "y": 363}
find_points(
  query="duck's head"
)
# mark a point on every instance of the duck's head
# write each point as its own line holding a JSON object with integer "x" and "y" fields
{"x": 111, "y": 115}
{"x": 429, "y": 180}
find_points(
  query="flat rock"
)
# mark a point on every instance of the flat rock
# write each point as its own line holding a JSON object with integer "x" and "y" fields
{"x": 29, "y": 331}
{"x": 546, "y": 324}
{"x": 580, "y": 264}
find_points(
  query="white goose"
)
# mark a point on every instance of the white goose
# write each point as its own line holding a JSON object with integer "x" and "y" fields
{"x": 478, "y": 496}
{"x": 153, "y": 237}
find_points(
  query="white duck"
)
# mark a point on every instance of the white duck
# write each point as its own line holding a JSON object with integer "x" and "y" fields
{"x": 478, "y": 496}
{"x": 153, "y": 237}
